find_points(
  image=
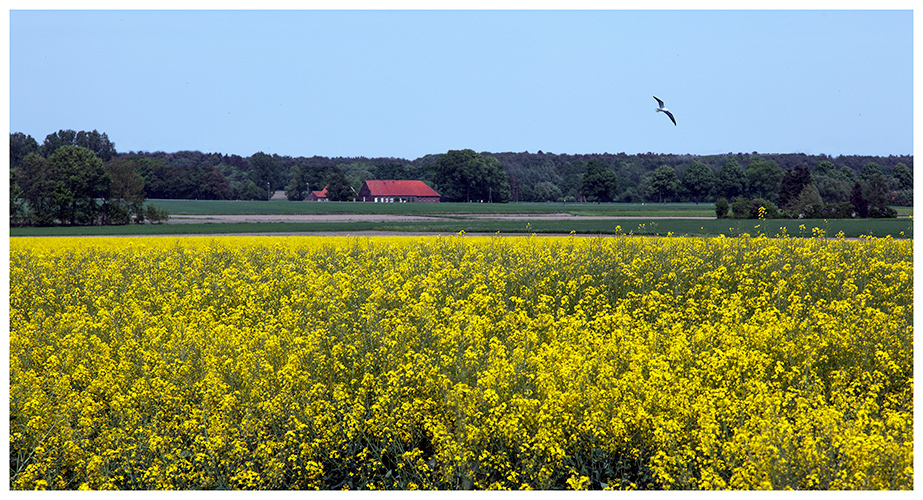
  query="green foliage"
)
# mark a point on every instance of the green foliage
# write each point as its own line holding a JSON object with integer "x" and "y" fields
{"x": 793, "y": 182}
{"x": 903, "y": 176}
{"x": 756, "y": 208}
{"x": 807, "y": 204}
{"x": 463, "y": 175}
{"x": 264, "y": 170}
{"x": 298, "y": 185}
{"x": 79, "y": 180}
{"x": 20, "y": 146}
{"x": 156, "y": 215}
{"x": 253, "y": 192}
{"x": 876, "y": 192}
{"x": 338, "y": 187}
{"x": 721, "y": 208}
{"x": 125, "y": 197}
{"x": 763, "y": 178}
{"x": 547, "y": 191}
{"x": 698, "y": 181}
{"x": 882, "y": 213}
{"x": 663, "y": 184}
{"x": 857, "y": 198}
{"x": 600, "y": 183}
{"x": 63, "y": 188}
{"x": 731, "y": 180}
{"x": 869, "y": 170}
{"x": 740, "y": 209}
{"x": 98, "y": 143}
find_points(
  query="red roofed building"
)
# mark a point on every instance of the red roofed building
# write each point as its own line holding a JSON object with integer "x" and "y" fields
{"x": 396, "y": 192}
{"x": 317, "y": 195}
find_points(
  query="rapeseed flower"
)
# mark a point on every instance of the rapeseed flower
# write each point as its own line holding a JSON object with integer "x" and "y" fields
{"x": 461, "y": 362}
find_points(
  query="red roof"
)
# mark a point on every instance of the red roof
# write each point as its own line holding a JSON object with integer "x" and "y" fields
{"x": 321, "y": 194}
{"x": 400, "y": 188}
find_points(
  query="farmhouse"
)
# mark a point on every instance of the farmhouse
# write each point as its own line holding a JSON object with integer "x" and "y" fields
{"x": 397, "y": 191}
{"x": 317, "y": 195}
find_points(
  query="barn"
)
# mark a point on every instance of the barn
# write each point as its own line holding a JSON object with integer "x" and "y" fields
{"x": 317, "y": 195}
{"x": 397, "y": 192}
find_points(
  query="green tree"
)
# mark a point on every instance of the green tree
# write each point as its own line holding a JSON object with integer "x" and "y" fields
{"x": 857, "y": 198}
{"x": 98, "y": 143}
{"x": 35, "y": 179}
{"x": 463, "y": 175}
{"x": 338, "y": 187}
{"x": 599, "y": 183}
{"x": 833, "y": 184}
{"x": 721, "y": 208}
{"x": 547, "y": 191}
{"x": 663, "y": 183}
{"x": 17, "y": 202}
{"x": 263, "y": 169}
{"x": 250, "y": 191}
{"x": 869, "y": 169}
{"x": 875, "y": 191}
{"x": 793, "y": 182}
{"x": 698, "y": 181}
{"x": 824, "y": 167}
{"x": 297, "y": 187}
{"x": 20, "y": 146}
{"x": 731, "y": 180}
{"x": 763, "y": 178}
{"x": 807, "y": 204}
{"x": 903, "y": 176}
{"x": 78, "y": 180}
{"x": 125, "y": 197}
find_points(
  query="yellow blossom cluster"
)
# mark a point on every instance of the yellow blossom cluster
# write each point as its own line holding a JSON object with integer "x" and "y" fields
{"x": 461, "y": 362}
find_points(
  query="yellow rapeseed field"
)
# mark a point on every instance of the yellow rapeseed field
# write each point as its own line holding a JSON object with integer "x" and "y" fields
{"x": 460, "y": 362}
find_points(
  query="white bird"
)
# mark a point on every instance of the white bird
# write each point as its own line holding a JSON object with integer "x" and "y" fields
{"x": 664, "y": 110}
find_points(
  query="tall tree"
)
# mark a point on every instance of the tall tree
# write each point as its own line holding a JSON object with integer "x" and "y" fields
{"x": 34, "y": 178}
{"x": 338, "y": 187}
{"x": 793, "y": 182}
{"x": 297, "y": 187}
{"x": 903, "y": 176}
{"x": 125, "y": 197}
{"x": 77, "y": 179}
{"x": 698, "y": 181}
{"x": 20, "y": 146}
{"x": 731, "y": 180}
{"x": 833, "y": 184}
{"x": 763, "y": 178}
{"x": 599, "y": 182}
{"x": 263, "y": 170}
{"x": 98, "y": 143}
{"x": 858, "y": 201}
{"x": 663, "y": 183}
{"x": 875, "y": 191}
{"x": 463, "y": 175}
{"x": 869, "y": 169}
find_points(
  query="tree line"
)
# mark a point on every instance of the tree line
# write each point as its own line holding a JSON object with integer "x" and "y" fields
{"x": 54, "y": 183}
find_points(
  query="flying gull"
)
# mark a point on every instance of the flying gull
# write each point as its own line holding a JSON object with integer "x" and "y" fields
{"x": 664, "y": 110}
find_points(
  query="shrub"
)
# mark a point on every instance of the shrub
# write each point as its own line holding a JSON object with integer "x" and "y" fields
{"x": 721, "y": 208}
{"x": 156, "y": 215}
{"x": 740, "y": 209}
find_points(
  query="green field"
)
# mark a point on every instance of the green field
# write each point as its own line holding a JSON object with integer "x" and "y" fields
{"x": 851, "y": 228}
{"x": 203, "y": 207}
{"x": 451, "y": 218}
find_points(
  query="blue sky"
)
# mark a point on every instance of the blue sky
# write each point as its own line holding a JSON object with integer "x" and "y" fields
{"x": 409, "y": 83}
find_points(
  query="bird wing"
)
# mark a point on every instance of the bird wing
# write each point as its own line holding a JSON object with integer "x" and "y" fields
{"x": 671, "y": 116}
{"x": 659, "y": 101}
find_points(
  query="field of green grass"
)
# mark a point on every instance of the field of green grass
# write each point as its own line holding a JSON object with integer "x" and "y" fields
{"x": 279, "y": 207}
{"x": 451, "y": 218}
{"x": 850, "y": 228}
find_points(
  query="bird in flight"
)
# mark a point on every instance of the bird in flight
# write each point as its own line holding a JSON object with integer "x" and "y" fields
{"x": 664, "y": 110}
